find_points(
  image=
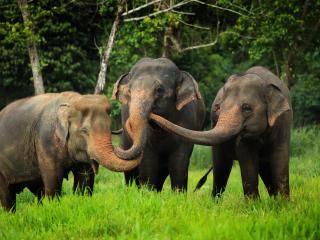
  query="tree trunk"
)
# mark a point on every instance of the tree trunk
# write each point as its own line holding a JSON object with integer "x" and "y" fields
{"x": 276, "y": 65}
{"x": 167, "y": 45}
{"x": 106, "y": 55}
{"x": 32, "y": 48}
{"x": 289, "y": 70}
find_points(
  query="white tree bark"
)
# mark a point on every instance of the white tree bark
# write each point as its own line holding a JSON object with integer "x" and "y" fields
{"x": 32, "y": 49}
{"x": 106, "y": 55}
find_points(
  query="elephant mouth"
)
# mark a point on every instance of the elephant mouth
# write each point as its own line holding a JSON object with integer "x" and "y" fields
{"x": 154, "y": 126}
{"x": 253, "y": 135}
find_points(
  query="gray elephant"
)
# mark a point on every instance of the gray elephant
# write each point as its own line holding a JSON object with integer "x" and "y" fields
{"x": 252, "y": 117}
{"x": 42, "y": 138}
{"x": 157, "y": 85}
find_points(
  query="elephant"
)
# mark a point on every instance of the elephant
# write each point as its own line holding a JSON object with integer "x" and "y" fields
{"x": 44, "y": 137}
{"x": 252, "y": 118}
{"x": 157, "y": 85}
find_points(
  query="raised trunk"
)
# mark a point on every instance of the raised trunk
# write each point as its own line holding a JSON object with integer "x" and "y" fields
{"x": 228, "y": 125}
{"x": 104, "y": 152}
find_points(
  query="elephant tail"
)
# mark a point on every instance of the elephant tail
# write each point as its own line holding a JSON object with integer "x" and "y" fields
{"x": 202, "y": 180}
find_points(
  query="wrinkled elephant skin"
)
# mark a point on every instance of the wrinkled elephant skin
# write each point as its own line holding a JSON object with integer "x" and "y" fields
{"x": 158, "y": 86}
{"x": 44, "y": 137}
{"x": 252, "y": 117}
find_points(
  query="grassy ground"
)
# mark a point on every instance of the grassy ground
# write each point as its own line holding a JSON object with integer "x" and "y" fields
{"x": 119, "y": 212}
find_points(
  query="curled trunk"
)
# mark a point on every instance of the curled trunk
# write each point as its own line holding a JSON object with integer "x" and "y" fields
{"x": 228, "y": 125}
{"x": 105, "y": 155}
{"x": 136, "y": 127}
{"x": 139, "y": 140}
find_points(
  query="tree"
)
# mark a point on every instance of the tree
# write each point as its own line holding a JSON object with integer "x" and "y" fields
{"x": 281, "y": 31}
{"x": 108, "y": 48}
{"x": 32, "y": 48}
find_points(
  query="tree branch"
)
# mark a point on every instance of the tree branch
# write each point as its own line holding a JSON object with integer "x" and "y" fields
{"x": 158, "y": 12}
{"x": 183, "y": 13}
{"x": 207, "y": 44}
{"x": 199, "y": 46}
{"x": 106, "y": 55}
{"x": 193, "y": 25}
{"x": 140, "y": 7}
{"x": 218, "y": 7}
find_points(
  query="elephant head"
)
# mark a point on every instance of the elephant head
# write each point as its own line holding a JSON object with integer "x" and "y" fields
{"x": 84, "y": 128}
{"x": 247, "y": 105}
{"x": 152, "y": 85}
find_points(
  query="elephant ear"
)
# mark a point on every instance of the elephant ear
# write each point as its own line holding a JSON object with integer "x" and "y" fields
{"x": 277, "y": 104}
{"x": 216, "y": 107}
{"x": 121, "y": 89}
{"x": 62, "y": 124}
{"x": 187, "y": 90}
{"x": 219, "y": 97}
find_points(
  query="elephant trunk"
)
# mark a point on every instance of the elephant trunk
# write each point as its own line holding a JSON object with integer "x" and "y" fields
{"x": 136, "y": 126}
{"x": 228, "y": 125}
{"x": 104, "y": 154}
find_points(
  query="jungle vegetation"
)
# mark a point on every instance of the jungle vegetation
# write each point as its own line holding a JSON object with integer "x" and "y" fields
{"x": 211, "y": 39}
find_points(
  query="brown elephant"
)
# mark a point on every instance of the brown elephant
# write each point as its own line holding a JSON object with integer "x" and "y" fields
{"x": 43, "y": 137}
{"x": 252, "y": 116}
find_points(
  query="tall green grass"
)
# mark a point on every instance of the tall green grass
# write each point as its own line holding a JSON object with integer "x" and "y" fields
{"x": 304, "y": 142}
{"x": 119, "y": 212}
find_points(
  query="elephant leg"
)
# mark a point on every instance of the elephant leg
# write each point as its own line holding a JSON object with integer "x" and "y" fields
{"x": 149, "y": 169}
{"x": 249, "y": 167}
{"x": 52, "y": 176}
{"x": 279, "y": 167}
{"x": 7, "y": 197}
{"x": 132, "y": 176}
{"x": 222, "y": 166}
{"x": 37, "y": 189}
{"x": 163, "y": 174}
{"x": 266, "y": 176}
{"x": 178, "y": 167}
{"x": 83, "y": 179}
{"x": 52, "y": 180}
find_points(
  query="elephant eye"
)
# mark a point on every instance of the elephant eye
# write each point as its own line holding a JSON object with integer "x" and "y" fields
{"x": 160, "y": 90}
{"x": 84, "y": 130}
{"x": 246, "y": 108}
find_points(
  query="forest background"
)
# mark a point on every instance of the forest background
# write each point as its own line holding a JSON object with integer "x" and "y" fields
{"x": 209, "y": 39}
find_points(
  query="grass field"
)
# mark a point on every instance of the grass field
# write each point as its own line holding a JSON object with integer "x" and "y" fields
{"x": 119, "y": 212}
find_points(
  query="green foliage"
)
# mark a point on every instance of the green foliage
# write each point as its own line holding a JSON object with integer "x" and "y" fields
{"x": 71, "y": 36}
{"x": 14, "y": 58}
{"x": 65, "y": 43}
{"x": 305, "y": 93}
{"x": 119, "y": 212}
{"x": 278, "y": 26}
{"x": 305, "y": 151}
